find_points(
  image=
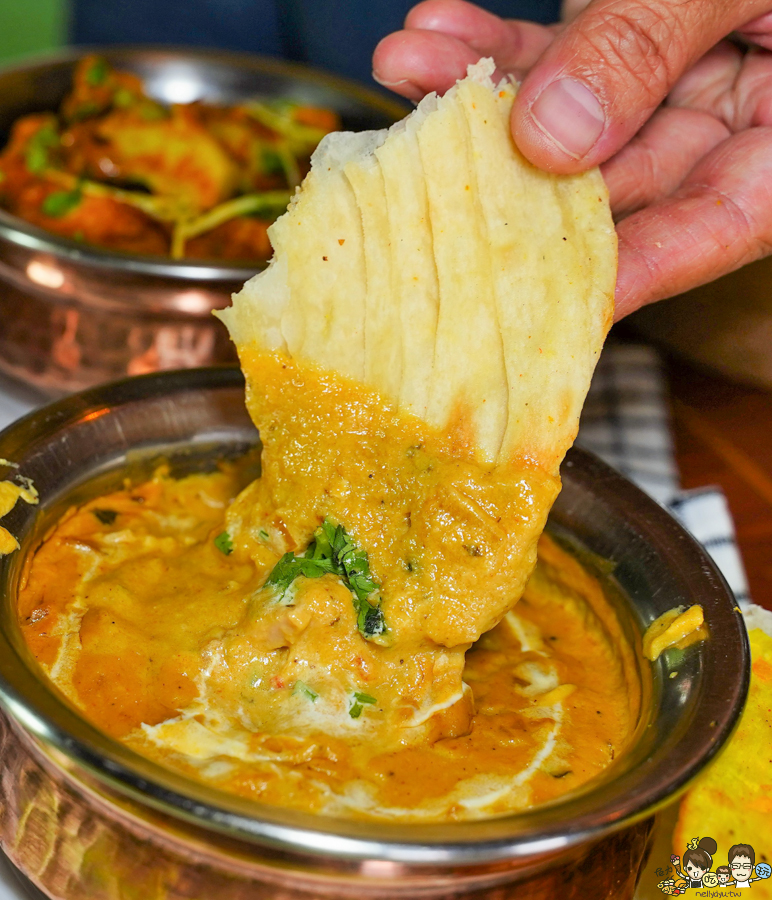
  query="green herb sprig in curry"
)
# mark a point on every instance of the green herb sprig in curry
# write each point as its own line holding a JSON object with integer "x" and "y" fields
{"x": 333, "y": 551}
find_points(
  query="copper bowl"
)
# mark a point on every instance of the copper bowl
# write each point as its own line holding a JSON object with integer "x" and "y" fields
{"x": 75, "y": 316}
{"x": 85, "y": 817}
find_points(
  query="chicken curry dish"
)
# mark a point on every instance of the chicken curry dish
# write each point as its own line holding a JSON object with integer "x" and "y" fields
{"x": 117, "y": 169}
{"x": 364, "y": 630}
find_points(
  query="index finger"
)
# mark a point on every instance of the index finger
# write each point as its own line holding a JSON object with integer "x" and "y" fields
{"x": 442, "y": 37}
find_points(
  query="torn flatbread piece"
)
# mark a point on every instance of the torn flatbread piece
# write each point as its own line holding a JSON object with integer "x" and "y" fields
{"x": 434, "y": 263}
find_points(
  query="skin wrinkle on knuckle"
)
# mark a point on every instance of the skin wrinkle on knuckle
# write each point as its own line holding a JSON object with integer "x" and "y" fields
{"x": 636, "y": 192}
{"x": 751, "y": 93}
{"x": 513, "y": 39}
{"x": 743, "y": 225}
{"x": 649, "y": 175}
{"x": 638, "y": 43}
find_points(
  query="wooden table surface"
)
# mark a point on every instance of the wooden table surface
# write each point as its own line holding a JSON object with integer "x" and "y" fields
{"x": 723, "y": 436}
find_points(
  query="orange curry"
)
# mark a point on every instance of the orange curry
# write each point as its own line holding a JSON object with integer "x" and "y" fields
{"x": 314, "y": 640}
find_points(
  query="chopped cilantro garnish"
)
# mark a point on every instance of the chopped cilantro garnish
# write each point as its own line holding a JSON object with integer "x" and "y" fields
{"x": 301, "y": 687}
{"x": 151, "y": 111}
{"x": 36, "y": 151}
{"x": 332, "y": 550}
{"x": 85, "y": 111}
{"x": 263, "y": 534}
{"x": 360, "y": 700}
{"x": 364, "y": 698}
{"x": 97, "y": 72}
{"x": 60, "y": 203}
{"x": 123, "y": 98}
{"x": 290, "y": 566}
{"x": 224, "y": 543}
{"x": 270, "y": 161}
{"x": 105, "y": 516}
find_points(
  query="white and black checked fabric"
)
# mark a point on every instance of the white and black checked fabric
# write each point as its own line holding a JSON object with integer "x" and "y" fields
{"x": 626, "y": 422}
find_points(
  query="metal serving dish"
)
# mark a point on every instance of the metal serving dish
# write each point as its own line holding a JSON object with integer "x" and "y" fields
{"x": 75, "y": 316}
{"x": 83, "y": 815}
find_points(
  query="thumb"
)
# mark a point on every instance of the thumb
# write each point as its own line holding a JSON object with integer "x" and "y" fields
{"x": 607, "y": 72}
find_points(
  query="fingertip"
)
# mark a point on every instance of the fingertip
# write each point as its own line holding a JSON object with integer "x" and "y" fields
{"x": 437, "y": 15}
{"x": 414, "y": 63}
{"x": 536, "y": 142}
{"x": 392, "y": 63}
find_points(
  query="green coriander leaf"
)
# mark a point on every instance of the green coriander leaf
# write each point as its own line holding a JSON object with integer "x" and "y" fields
{"x": 97, "y": 72}
{"x": 283, "y": 573}
{"x": 224, "y": 543}
{"x": 105, "y": 516}
{"x": 153, "y": 112}
{"x": 333, "y": 551}
{"x": 85, "y": 111}
{"x": 123, "y": 98}
{"x": 60, "y": 203}
{"x": 373, "y": 622}
{"x": 301, "y": 687}
{"x": 364, "y": 698}
{"x": 359, "y": 700}
{"x": 263, "y": 534}
{"x": 313, "y": 568}
{"x": 270, "y": 161}
{"x": 37, "y": 150}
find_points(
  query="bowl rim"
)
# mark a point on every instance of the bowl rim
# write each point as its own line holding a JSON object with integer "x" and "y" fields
{"x": 544, "y": 829}
{"x": 18, "y": 232}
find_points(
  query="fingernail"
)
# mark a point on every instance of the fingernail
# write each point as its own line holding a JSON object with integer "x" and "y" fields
{"x": 404, "y": 86}
{"x": 569, "y": 113}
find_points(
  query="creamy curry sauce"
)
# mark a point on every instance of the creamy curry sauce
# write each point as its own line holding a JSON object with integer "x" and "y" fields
{"x": 151, "y": 609}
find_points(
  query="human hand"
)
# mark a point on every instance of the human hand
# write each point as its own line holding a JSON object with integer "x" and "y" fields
{"x": 690, "y": 181}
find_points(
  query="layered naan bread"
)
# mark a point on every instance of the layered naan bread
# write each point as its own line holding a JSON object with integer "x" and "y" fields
{"x": 434, "y": 264}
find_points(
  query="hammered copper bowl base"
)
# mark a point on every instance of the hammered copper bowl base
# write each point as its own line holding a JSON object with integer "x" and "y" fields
{"x": 87, "y": 819}
{"x": 75, "y": 843}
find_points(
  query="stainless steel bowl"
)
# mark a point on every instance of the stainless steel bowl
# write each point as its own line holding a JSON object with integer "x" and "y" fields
{"x": 75, "y": 316}
{"x": 82, "y": 814}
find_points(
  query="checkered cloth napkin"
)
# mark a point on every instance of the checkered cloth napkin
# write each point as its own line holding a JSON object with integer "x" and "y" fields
{"x": 626, "y": 422}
